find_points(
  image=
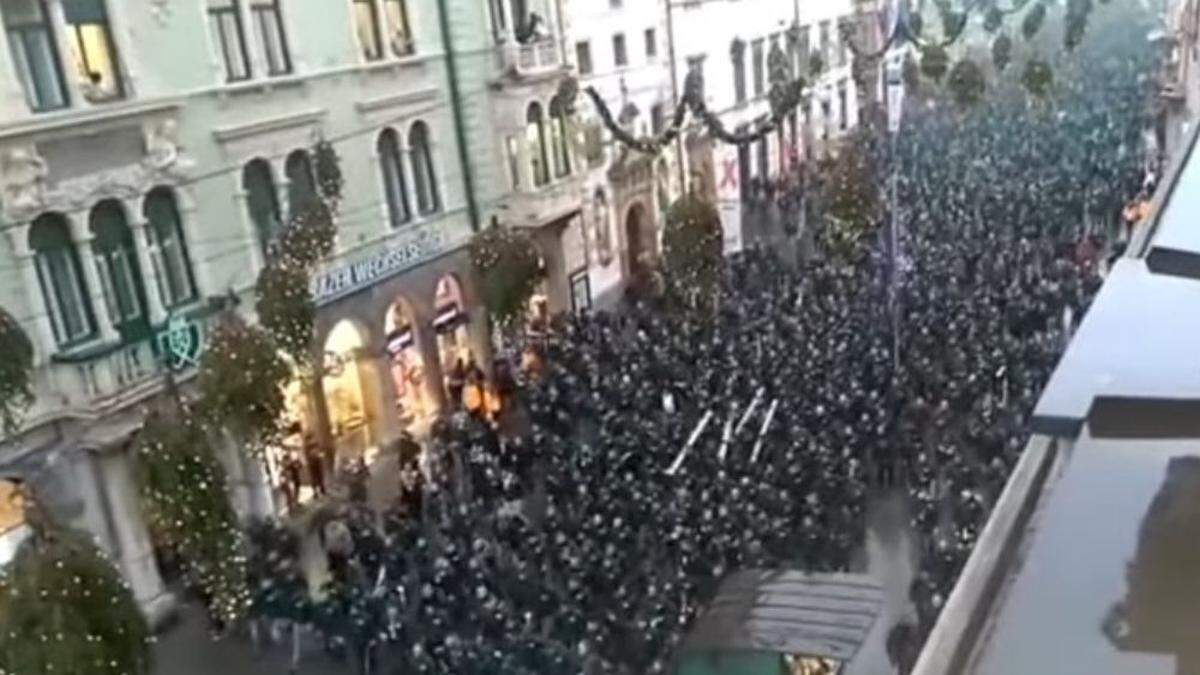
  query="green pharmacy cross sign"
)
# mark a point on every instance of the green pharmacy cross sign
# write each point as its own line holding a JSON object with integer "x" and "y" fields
{"x": 180, "y": 343}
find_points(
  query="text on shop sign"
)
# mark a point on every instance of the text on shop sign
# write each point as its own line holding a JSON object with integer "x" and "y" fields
{"x": 347, "y": 278}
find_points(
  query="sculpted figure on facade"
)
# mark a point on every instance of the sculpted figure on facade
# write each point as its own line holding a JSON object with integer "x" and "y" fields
{"x": 24, "y": 179}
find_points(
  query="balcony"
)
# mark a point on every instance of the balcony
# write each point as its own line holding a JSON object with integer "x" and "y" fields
{"x": 537, "y": 58}
{"x": 106, "y": 377}
{"x": 545, "y": 204}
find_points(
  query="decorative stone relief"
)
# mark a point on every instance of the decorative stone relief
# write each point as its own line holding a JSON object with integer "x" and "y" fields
{"x": 161, "y": 10}
{"x": 24, "y": 179}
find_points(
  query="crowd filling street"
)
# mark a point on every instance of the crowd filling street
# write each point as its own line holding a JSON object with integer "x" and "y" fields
{"x": 643, "y": 454}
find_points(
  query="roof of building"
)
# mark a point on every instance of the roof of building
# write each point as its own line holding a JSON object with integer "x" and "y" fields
{"x": 1109, "y": 583}
{"x": 789, "y": 612}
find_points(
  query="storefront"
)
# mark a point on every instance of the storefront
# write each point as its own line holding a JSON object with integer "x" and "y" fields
{"x": 408, "y": 373}
{"x": 450, "y": 326}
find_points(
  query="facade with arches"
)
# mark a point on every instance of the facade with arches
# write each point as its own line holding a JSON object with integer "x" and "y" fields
{"x": 152, "y": 191}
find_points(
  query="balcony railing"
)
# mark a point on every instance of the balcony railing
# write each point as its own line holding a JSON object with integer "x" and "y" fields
{"x": 531, "y": 58}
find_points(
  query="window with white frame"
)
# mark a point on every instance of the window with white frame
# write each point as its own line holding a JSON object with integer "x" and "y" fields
{"x": 93, "y": 50}
{"x": 302, "y": 185}
{"x": 400, "y": 36}
{"x": 225, "y": 23}
{"x": 272, "y": 40}
{"x": 168, "y": 248}
{"x": 262, "y": 202}
{"x": 395, "y": 186}
{"x": 535, "y": 140}
{"x": 620, "y": 55}
{"x": 366, "y": 26}
{"x": 560, "y": 141}
{"x": 119, "y": 272}
{"x": 424, "y": 176}
{"x": 34, "y": 54}
{"x": 61, "y": 279}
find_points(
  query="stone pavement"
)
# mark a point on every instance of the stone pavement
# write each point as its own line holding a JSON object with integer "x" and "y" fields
{"x": 186, "y": 649}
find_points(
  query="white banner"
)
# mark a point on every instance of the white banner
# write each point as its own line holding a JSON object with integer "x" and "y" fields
{"x": 731, "y": 226}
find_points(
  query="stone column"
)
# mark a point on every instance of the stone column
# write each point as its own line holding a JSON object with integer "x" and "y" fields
{"x": 240, "y": 197}
{"x": 379, "y": 395}
{"x": 134, "y": 551}
{"x": 156, "y": 304}
{"x": 409, "y": 171}
{"x": 43, "y": 332}
{"x": 426, "y": 343}
{"x": 479, "y": 334}
{"x": 83, "y": 239}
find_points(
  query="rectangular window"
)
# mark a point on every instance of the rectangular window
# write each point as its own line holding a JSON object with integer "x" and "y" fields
{"x": 34, "y": 54}
{"x": 513, "y": 150}
{"x": 651, "y": 44}
{"x": 366, "y": 26}
{"x": 696, "y": 67}
{"x": 738, "y": 57}
{"x": 581, "y": 291}
{"x": 268, "y": 25}
{"x": 843, "y": 109}
{"x": 759, "y": 64}
{"x": 95, "y": 54}
{"x": 825, "y": 44}
{"x": 225, "y": 22}
{"x": 61, "y": 288}
{"x": 583, "y": 57}
{"x": 400, "y": 37}
{"x": 620, "y": 57}
{"x": 843, "y": 45}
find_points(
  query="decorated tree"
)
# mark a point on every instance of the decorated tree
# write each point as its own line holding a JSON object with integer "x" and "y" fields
{"x": 285, "y": 307}
{"x": 851, "y": 199}
{"x": 16, "y": 389}
{"x": 509, "y": 270}
{"x": 64, "y": 608}
{"x": 241, "y": 380}
{"x": 692, "y": 243}
{"x": 186, "y": 501}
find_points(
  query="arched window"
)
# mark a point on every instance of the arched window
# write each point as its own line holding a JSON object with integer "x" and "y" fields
{"x": 560, "y": 140}
{"x": 302, "y": 187}
{"x": 394, "y": 186}
{"x": 261, "y": 201}
{"x": 424, "y": 177}
{"x": 168, "y": 248}
{"x": 61, "y": 279}
{"x": 535, "y": 139}
{"x": 117, "y": 262}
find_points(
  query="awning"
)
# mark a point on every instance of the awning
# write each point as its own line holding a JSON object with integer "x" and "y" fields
{"x": 789, "y": 612}
{"x": 448, "y": 318}
{"x": 398, "y": 341}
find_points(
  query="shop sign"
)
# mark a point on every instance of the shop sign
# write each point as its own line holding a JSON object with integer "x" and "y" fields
{"x": 398, "y": 255}
{"x": 180, "y": 343}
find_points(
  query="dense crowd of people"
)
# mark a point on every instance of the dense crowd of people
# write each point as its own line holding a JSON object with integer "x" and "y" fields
{"x": 654, "y": 450}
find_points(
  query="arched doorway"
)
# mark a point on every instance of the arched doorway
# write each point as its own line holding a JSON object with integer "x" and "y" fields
{"x": 450, "y": 326}
{"x": 407, "y": 364}
{"x": 639, "y": 241}
{"x": 343, "y": 387}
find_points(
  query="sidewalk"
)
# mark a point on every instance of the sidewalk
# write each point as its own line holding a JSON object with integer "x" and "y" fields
{"x": 186, "y": 649}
